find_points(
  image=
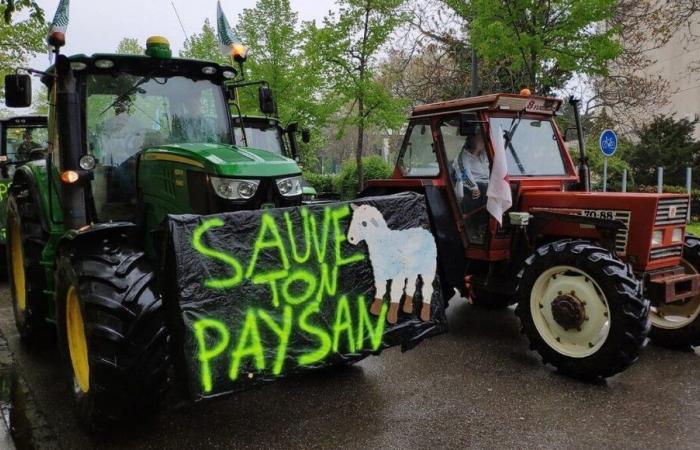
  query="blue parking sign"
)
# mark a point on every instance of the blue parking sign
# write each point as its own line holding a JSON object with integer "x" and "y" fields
{"x": 608, "y": 142}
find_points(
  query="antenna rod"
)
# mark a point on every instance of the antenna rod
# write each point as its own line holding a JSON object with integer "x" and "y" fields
{"x": 179, "y": 20}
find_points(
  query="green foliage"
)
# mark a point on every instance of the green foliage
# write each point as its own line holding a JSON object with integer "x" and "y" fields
{"x": 668, "y": 143}
{"x": 130, "y": 46}
{"x": 280, "y": 54}
{"x": 350, "y": 43}
{"x": 204, "y": 46}
{"x": 323, "y": 183}
{"x": 20, "y": 39}
{"x": 10, "y": 7}
{"x": 346, "y": 183}
{"x": 694, "y": 228}
{"x": 543, "y": 43}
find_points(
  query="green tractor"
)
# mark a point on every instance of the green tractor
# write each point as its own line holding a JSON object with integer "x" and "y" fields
{"x": 266, "y": 132}
{"x": 22, "y": 138}
{"x": 132, "y": 139}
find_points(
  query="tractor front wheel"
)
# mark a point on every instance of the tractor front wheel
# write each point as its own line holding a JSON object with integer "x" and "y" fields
{"x": 582, "y": 309}
{"x": 25, "y": 243}
{"x": 677, "y": 325}
{"x": 111, "y": 331}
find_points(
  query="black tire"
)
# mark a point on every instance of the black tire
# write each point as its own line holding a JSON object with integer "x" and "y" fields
{"x": 124, "y": 329}
{"x": 689, "y": 335}
{"x": 24, "y": 224}
{"x": 627, "y": 308}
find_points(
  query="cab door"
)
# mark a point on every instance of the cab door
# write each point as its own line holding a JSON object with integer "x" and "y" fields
{"x": 467, "y": 158}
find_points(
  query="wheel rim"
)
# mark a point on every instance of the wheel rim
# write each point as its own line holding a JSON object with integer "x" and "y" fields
{"x": 672, "y": 316}
{"x": 77, "y": 344}
{"x": 570, "y": 311}
{"x": 18, "y": 276}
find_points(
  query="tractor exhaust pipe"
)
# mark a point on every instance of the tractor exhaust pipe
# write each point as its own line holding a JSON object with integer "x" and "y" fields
{"x": 69, "y": 138}
{"x": 584, "y": 172}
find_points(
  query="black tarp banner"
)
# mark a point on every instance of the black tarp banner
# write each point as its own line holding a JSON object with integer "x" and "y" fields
{"x": 257, "y": 295}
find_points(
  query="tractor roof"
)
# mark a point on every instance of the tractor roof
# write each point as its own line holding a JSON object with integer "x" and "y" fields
{"x": 142, "y": 63}
{"x": 507, "y": 102}
{"x": 26, "y": 121}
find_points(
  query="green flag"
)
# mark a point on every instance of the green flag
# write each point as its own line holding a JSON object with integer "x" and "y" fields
{"x": 227, "y": 37}
{"x": 60, "y": 19}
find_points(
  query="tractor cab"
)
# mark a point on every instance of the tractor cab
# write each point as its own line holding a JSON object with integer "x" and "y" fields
{"x": 452, "y": 145}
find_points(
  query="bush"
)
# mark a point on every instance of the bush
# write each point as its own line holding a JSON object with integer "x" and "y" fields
{"x": 374, "y": 168}
{"x": 323, "y": 183}
{"x": 670, "y": 189}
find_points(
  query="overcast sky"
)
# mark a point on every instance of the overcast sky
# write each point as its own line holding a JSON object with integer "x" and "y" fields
{"x": 97, "y": 26}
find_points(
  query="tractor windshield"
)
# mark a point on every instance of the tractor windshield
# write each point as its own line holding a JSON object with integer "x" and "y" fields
{"x": 269, "y": 139}
{"x": 128, "y": 113}
{"x": 533, "y": 149}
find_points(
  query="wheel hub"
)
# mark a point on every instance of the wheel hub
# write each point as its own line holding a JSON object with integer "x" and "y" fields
{"x": 568, "y": 311}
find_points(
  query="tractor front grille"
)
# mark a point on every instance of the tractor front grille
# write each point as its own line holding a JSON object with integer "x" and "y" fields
{"x": 666, "y": 252}
{"x": 672, "y": 211}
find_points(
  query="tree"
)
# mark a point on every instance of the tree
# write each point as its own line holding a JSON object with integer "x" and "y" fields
{"x": 351, "y": 42}
{"x": 9, "y": 7}
{"x": 542, "y": 43}
{"x": 204, "y": 46}
{"x": 668, "y": 143}
{"x": 280, "y": 54}
{"x": 130, "y": 46}
{"x": 20, "y": 39}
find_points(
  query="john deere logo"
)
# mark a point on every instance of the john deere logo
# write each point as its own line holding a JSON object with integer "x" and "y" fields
{"x": 672, "y": 212}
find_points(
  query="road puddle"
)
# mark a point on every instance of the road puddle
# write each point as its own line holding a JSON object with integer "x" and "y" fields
{"x": 16, "y": 431}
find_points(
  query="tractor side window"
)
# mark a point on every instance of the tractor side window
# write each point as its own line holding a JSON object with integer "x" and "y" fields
{"x": 418, "y": 158}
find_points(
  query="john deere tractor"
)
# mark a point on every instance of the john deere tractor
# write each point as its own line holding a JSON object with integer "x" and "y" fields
{"x": 22, "y": 138}
{"x": 131, "y": 140}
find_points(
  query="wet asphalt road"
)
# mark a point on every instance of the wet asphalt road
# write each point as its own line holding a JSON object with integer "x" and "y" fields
{"x": 477, "y": 387}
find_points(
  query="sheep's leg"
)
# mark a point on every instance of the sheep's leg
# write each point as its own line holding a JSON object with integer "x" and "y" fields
{"x": 397, "y": 285}
{"x": 410, "y": 293}
{"x": 427, "y": 296}
{"x": 380, "y": 286}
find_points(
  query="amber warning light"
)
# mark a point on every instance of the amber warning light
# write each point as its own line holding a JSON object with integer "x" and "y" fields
{"x": 69, "y": 176}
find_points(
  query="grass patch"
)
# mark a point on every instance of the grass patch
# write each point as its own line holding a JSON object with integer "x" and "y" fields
{"x": 694, "y": 228}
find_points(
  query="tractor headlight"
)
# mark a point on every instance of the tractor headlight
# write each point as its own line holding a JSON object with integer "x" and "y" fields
{"x": 232, "y": 189}
{"x": 657, "y": 238}
{"x": 677, "y": 235}
{"x": 289, "y": 187}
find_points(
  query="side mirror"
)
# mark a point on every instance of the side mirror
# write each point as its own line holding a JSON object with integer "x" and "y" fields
{"x": 305, "y": 136}
{"x": 467, "y": 125}
{"x": 267, "y": 101}
{"x": 18, "y": 91}
{"x": 230, "y": 90}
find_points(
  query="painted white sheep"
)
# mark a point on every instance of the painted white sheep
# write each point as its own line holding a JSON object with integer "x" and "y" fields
{"x": 396, "y": 255}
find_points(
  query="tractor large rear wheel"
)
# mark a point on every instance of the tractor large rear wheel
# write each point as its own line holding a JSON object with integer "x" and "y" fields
{"x": 677, "y": 325}
{"x": 582, "y": 309}
{"x": 111, "y": 331}
{"x": 25, "y": 243}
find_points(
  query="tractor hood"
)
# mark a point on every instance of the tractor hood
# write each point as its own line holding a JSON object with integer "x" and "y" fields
{"x": 225, "y": 160}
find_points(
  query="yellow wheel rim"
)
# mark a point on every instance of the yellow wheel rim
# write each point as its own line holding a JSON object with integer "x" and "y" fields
{"x": 77, "y": 344}
{"x": 18, "y": 278}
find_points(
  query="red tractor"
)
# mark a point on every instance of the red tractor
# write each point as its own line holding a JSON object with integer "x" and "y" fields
{"x": 589, "y": 271}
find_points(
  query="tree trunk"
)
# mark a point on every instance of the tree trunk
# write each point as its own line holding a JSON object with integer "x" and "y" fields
{"x": 360, "y": 144}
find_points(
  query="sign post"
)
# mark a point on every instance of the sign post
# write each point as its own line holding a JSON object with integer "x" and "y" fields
{"x": 608, "y": 145}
